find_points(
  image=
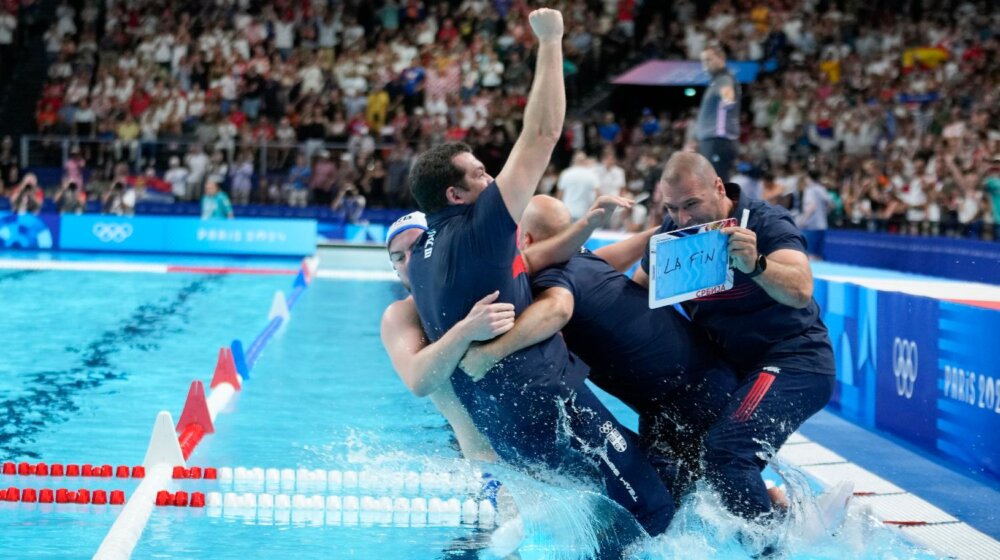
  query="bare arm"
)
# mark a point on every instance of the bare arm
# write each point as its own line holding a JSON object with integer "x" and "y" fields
{"x": 960, "y": 178}
{"x": 562, "y": 246}
{"x": 472, "y": 442}
{"x": 425, "y": 367}
{"x": 543, "y": 117}
{"x": 545, "y": 317}
{"x": 641, "y": 278}
{"x": 788, "y": 278}
{"x": 623, "y": 254}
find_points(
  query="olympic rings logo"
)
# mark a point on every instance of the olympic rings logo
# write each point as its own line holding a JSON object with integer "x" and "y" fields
{"x": 112, "y": 232}
{"x": 905, "y": 364}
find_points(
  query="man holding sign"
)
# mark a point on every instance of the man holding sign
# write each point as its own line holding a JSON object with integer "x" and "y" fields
{"x": 767, "y": 325}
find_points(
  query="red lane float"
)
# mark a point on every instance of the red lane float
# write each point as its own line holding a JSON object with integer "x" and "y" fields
{"x": 231, "y": 270}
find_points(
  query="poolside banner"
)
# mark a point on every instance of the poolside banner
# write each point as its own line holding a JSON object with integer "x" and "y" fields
{"x": 906, "y": 389}
{"x": 851, "y": 315}
{"x": 28, "y": 231}
{"x": 968, "y": 385}
{"x": 924, "y": 370}
{"x": 188, "y": 235}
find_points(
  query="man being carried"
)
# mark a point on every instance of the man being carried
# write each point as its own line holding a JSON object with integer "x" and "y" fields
{"x": 470, "y": 251}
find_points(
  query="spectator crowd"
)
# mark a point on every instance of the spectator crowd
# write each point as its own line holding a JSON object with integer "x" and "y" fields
{"x": 879, "y": 115}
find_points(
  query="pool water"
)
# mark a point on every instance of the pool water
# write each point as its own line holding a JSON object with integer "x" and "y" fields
{"x": 91, "y": 357}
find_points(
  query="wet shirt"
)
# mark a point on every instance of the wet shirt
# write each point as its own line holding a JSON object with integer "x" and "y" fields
{"x": 752, "y": 329}
{"x": 614, "y": 331}
{"x": 468, "y": 252}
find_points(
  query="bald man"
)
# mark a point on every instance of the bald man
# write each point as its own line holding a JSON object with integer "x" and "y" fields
{"x": 767, "y": 326}
{"x": 653, "y": 360}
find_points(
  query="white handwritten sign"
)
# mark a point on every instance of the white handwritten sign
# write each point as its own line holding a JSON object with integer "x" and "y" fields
{"x": 689, "y": 263}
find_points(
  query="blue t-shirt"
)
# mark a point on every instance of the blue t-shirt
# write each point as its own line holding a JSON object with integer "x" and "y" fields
{"x": 298, "y": 177}
{"x": 752, "y": 329}
{"x": 412, "y": 78}
{"x": 468, "y": 252}
{"x": 621, "y": 339}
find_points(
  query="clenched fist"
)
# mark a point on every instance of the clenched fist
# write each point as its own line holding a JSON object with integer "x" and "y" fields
{"x": 547, "y": 24}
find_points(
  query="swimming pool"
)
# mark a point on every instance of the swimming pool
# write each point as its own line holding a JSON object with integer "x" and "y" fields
{"x": 92, "y": 356}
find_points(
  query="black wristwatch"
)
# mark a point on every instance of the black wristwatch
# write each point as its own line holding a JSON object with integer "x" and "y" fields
{"x": 760, "y": 268}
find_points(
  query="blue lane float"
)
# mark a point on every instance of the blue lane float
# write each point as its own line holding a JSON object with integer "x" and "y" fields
{"x": 240, "y": 359}
{"x": 253, "y": 353}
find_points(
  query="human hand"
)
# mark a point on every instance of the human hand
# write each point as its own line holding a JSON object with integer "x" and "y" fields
{"x": 547, "y": 24}
{"x": 603, "y": 208}
{"x": 477, "y": 362}
{"x": 489, "y": 320}
{"x": 742, "y": 248}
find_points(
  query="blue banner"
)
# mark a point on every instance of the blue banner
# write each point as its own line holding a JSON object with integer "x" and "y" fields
{"x": 188, "y": 235}
{"x": 968, "y": 385}
{"x": 906, "y": 389}
{"x": 960, "y": 259}
{"x": 924, "y": 370}
{"x": 28, "y": 231}
{"x": 851, "y": 315}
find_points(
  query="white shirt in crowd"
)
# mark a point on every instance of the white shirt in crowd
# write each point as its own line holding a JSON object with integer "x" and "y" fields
{"x": 284, "y": 34}
{"x": 198, "y": 164}
{"x": 578, "y": 186}
{"x": 612, "y": 179}
{"x": 915, "y": 199}
{"x": 177, "y": 177}
{"x": 327, "y": 33}
{"x": 312, "y": 79}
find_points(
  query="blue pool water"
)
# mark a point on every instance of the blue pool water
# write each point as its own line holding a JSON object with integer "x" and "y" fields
{"x": 91, "y": 357}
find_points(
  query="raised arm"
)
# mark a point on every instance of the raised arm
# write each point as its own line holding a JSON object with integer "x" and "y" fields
{"x": 549, "y": 313}
{"x": 426, "y": 367}
{"x": 543, "y": 116}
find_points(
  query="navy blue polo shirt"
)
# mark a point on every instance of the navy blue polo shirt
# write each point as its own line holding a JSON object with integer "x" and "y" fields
{"x": 468, "y": 252}
{"x": 752, "y": 329}
{"x": 620, "y": 338}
